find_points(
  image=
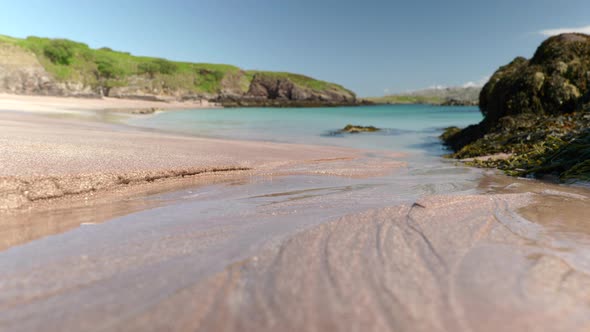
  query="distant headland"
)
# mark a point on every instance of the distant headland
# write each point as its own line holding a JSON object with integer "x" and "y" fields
{"x": 444, "y": 96}
{"x": 61, "y": 67}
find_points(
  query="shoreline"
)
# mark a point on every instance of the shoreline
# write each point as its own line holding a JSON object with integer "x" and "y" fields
{"x": 72, "y": 163}
{"x": 21, "y": 192}
{"x": 47, "y": 217}
{"x": 226, "y": 229}
{"x": 50, "y": 104}
{"x": 68, "y": 157}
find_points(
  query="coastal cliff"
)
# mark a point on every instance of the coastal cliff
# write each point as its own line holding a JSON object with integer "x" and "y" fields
{"x": 285, "y": 89}
{"x": 535, "y": 112}
{"x": 59, "y": 67}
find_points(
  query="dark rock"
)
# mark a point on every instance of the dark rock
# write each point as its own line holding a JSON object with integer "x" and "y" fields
{"x": 276, "y": 91}
{"x": 552, "y": 82}
{"x": 271, "y": 88}
{"x": 458, "y": 102}
{"x": 535, "y": 110}
{"x": 143, "y": 111}
{"x": 355, "y": 129}
{"x": 555, "y": 81}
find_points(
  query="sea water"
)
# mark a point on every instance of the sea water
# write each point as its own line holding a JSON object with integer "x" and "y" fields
{"x": 412, "y": 130}
{"x": 405, "y": 128}
{"x": 265, "y": 209}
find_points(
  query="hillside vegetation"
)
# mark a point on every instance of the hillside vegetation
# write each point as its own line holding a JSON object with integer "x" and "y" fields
{"x": 435, "y": 96}
{"x": 110, "y": 72}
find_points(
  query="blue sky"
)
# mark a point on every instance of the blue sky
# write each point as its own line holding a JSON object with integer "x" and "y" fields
{"x": 368, "y": 46}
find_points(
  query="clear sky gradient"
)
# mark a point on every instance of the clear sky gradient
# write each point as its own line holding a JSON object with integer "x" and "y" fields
{"x": 369, "y": 46}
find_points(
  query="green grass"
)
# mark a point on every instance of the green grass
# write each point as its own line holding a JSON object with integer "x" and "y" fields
{"x": 407, "y": 99}
{"x": 72, "y": 61}
{"x": 8, "y": 39}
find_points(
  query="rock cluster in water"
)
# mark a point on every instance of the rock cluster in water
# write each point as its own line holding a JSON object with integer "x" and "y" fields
{"x": 354, "y": 129}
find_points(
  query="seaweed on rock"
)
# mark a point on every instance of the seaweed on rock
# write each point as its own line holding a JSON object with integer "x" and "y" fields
{"x": 537, "y": 111}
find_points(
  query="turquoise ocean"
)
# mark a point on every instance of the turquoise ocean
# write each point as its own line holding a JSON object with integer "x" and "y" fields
{"x": 406, "y": 128}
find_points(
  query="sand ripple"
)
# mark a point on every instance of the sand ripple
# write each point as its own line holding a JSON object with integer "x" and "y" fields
{"x": 443, "y": 264}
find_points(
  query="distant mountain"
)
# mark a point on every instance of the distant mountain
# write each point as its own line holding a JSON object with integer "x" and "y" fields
{"x": 63, "y": 67}
{"x": 435, "y": 96}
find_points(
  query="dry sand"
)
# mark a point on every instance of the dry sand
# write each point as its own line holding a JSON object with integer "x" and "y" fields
{"x": 48, "y": 104}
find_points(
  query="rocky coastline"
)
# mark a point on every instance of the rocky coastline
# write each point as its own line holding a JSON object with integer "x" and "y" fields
{"x": 537, "y": 113}
{"x": 26, "y": 68}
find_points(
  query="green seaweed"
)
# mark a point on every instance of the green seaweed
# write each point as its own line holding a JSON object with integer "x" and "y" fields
{"x": 537, "y": 146}
{"x": 449, "y": 132}
{"x": 355, "y": 129}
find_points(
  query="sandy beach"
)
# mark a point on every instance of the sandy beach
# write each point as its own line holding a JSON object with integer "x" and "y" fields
{"x": 108, "y": 227}
{"x": 299, "y": 166}
{"x": 52, "y": 156}
{"x": 66, "y": 157}
{"x": 52, "y": 104}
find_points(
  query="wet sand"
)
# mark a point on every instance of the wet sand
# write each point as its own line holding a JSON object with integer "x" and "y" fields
{"x": 44, "y": 158}
{"x": 285, "y": 261}
{"x": 444, "y": 264}
{"x": 291, "y": 238}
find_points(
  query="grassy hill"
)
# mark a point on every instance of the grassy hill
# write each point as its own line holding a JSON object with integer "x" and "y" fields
{"x": 106, "y": 70}
{"x": 435, "y": 96}
{"x": 407, "y": 99}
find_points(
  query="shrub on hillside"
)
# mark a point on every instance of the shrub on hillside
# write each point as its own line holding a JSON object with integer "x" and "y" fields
{"x": 166, "y": 67}
{"x": 60, "y": 51}
{"x": 107, "y": 69}
{"x": 109, "y": 75}
{"x": 157, "y": 66}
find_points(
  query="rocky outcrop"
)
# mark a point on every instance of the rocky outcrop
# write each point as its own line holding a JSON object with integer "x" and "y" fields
{"x": 22, "y": 73}
{"x": 459, "y": 102}
{"x": 273, "y": 90}
{"x": 554, "y": 81}
{"x": 533, "y": 108}
{"x": 269, "y": 87}
{"x": 356, "y": 129}
{"x": 152, "y": 89}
